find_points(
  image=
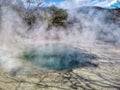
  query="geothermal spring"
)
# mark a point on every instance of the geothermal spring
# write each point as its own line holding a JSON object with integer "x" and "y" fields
{"x": 78, "y": 57}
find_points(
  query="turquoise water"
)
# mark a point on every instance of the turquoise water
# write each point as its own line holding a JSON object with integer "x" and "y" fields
{"x": 58, "y": 57}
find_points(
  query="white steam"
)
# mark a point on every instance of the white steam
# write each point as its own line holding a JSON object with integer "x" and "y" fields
{"x": 15, "y": 36}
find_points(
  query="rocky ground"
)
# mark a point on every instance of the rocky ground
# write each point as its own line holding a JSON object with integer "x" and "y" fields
{"x": 104, "y": 77}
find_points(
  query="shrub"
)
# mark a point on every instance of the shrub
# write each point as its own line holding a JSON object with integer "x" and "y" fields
{"x": 59, "y": 16}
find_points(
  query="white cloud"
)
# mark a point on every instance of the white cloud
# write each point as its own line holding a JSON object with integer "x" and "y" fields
{"x": 69, "y": 4}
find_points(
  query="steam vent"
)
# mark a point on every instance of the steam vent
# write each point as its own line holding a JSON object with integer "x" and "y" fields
{"x": 59, "y": 57}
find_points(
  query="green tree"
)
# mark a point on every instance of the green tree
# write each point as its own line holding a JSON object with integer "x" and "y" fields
{"x": 59, "y": 16}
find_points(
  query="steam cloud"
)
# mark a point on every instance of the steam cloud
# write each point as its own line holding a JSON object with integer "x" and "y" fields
{"x": 86, "y": 29}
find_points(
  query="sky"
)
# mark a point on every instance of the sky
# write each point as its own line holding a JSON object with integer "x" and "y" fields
{"x": 68, "y": 4}
{"x": 53, "y": 2}
{"x": 56, "y": 1}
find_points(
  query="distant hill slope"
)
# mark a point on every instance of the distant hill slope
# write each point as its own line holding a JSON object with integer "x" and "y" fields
{"x": 108, "y": 15}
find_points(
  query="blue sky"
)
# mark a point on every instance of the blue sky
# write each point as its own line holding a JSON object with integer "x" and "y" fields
{"x": 115, "y": 5}
{"x": 71, "y": 4}
{"x": 78, "y": 3}
{"x": 56, "y": 1}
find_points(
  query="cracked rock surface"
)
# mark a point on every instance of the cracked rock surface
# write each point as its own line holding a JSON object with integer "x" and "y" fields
{"x": 106, "y": 76}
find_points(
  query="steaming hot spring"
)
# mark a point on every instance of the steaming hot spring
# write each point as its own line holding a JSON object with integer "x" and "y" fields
{"x": 56, "y": 49}
{"x": 58, "y": 57}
